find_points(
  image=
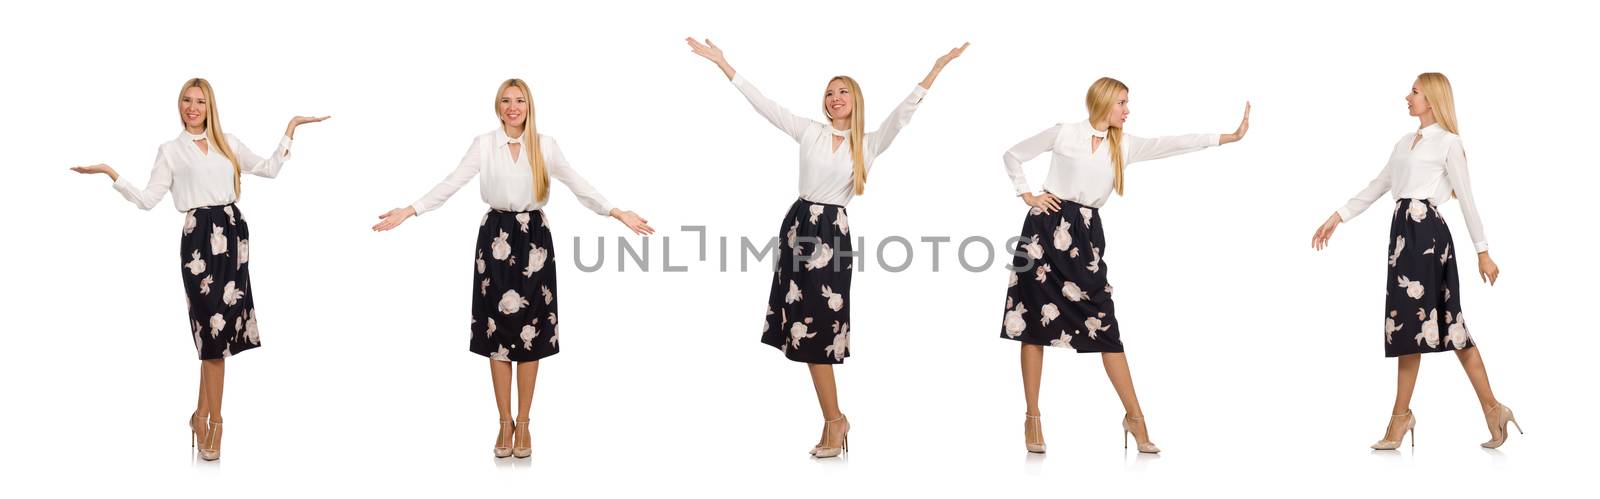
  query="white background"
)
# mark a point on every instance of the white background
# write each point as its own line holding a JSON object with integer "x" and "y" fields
{"x": 1259, "y": 361}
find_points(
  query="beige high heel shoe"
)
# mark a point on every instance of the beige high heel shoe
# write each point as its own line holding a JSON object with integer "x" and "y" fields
{"x": 502, "y": 447}
{"x": 210, "y": 447}
{"x": 196, "y": 423}
{"x": 522, "y": 448}
{"x": 842, "y": 436}
{"x": 1034, "y": 447}
{"x": 1411, "y": 427}
{"x": 1127, "y": 430}
{"x": 1502, "y": 415}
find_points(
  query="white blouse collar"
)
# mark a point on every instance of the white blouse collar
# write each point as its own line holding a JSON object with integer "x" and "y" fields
{"x": 1089, "y": 131}
{"x": 185, "y": 135}
{"x": 1430, "y": 130}
{"x": 503, "y": 139}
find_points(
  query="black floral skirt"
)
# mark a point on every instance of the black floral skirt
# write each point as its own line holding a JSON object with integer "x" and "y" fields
{"x": 514, "y": 288}
{"x": 215, "y": 252}
{"x": 808, "y": 309}
{"x": 1058, "y": 295}
{"x": 1423, "y": 301}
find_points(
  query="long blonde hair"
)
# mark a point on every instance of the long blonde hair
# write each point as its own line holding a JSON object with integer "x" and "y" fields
{"x": 530, "y": 139}
{"x": 1436, "y": 88}
{"x": 1102, "y": 95}
{"x": 214, "y": 135}
{"x": 857, "y": 129}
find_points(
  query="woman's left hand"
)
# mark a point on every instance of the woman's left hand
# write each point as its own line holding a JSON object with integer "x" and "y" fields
{"x": 1487, "y": 270}
{"x": 634, "y": 222}
{"x": 301, "y": 120}
{"x": 1244, "y": 126}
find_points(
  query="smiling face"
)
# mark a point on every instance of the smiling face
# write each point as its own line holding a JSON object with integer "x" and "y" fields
{"x": 192, "y": 107}
{"x": 1416, "y": 103}
{"x": 838, "y": 100}
{"x": 1117, "y": 114}
{"x": 512, "y": 106}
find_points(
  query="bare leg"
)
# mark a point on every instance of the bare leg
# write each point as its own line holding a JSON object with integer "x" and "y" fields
{"x": 527, "y": 373}
{"x": 1032, "y": 369}
{"x": 1116, "y": 364}
{"x": 1472, "y": 362}
{"x": 202, "y": 405}
{"x": 501, "y": 374}
{"x": 212, "y": 375}
{"x": 827, "y": 398}
{"x": 1405, "y": 384}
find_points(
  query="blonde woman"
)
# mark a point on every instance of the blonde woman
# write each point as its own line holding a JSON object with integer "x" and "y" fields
{"x": 1423, "y": 304}
{"x": 514, "y": 279}
{"x": 808, "y": 311}
{"x": 202, "y": 169}
{"x": 1058, "y": 295}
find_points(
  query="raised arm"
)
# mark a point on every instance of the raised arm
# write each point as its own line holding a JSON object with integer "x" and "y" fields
{"x": 1145, "y": 149}
{"x": 156, "y": 188}
{"x": 901, "y": 116}
{"x": 780, "y": 117}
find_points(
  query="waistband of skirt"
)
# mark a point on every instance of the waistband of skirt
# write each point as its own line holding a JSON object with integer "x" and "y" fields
{"x": 509, "y": 212}
{"x": 213, "y": 207}
{"x": 1402, "y": 200}
{"x": 808, "y": 201}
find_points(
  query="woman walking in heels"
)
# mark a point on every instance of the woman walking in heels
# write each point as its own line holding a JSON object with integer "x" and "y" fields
{"x": 202, "y": 169}
{"x": 514, "y": 279}
{"x": 808, "y": 311}
{"x": 1059, "y": 295}
{"x": 1423, "y": 304}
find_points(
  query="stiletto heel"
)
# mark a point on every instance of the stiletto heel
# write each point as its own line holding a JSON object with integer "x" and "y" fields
{"x": 194, "y": 429}
{"x": 522, "y": 448}
{"x": 1411, "y": 427}
{"x": 501, "y": 449}
{"x": 843, "y": 437}
{"x": 1035, "y": 447}
{"x": 1127, "y": 429}
{"x": 1501, "y": 416}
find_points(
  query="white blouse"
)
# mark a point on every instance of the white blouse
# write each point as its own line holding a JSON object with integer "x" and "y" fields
{"x": 198, "y": 179}
{"x": 1083, "y": 176}
{"x": 507, "y": 184}
{"x": 1431, "y": 170}
{"x": 827, "y": 175}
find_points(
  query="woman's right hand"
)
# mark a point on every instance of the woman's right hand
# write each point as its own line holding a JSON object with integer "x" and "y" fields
{"x": 712, "y": 53}
{"x": 393, "y": 218}
{"x": 100, "y": 168}
{"x": 1046, "y": 202}
{"x": 1320, "y": 239}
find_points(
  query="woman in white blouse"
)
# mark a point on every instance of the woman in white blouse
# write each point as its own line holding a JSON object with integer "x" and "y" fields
{"x": 514, "y": 297}
{"x": 1058, "y": 295}
{"x": 202, "y": 169}
{"x": 1423, "y": 304}
{"x": 808, "y": 308}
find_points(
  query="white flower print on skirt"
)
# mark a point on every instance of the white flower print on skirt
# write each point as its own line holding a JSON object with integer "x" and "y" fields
{"x": 514, "y": 300}
{"x": 224, "y": 319}
{"x": 1423, "y": 302}
{"x": 1059, "y": 295}
{"x": 809, "y": 301}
